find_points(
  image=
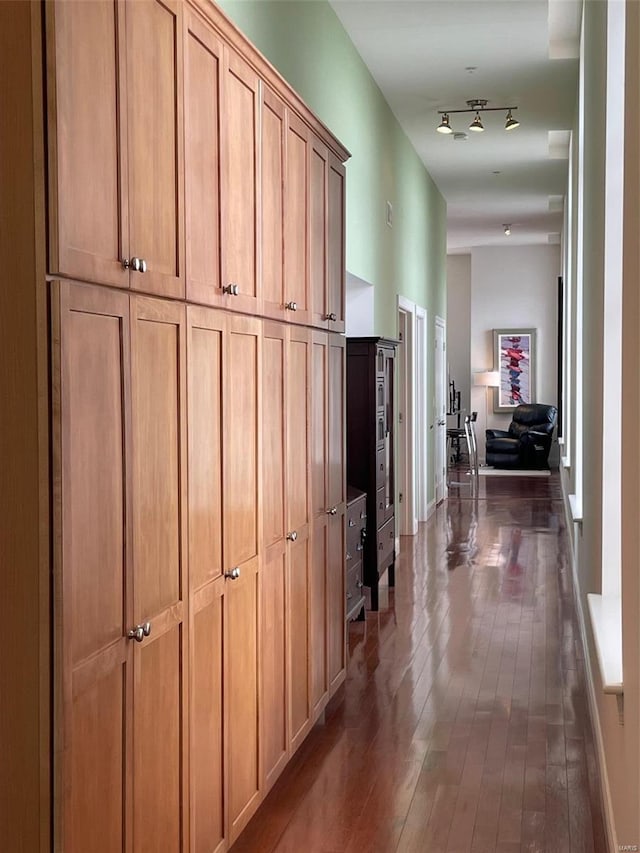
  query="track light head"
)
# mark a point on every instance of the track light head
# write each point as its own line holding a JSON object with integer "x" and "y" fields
{"x": 476, "y": 124}
{"x": 444, "y": 126}
{"x": 511, "y": 123}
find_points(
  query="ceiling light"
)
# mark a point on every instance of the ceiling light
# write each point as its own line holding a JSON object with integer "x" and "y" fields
{"x": 507, "y": 230}
{"x": 444, "y": 126}
{"x": 511, "y": 122}
{"x": 476, "y": 124}
{"x": 477, "y": 106}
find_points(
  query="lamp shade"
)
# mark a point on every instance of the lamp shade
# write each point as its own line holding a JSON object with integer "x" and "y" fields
{"x": 488, "y": 378}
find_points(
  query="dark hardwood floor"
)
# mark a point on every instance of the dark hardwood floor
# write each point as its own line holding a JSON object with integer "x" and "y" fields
{"x": 463, "y": 724}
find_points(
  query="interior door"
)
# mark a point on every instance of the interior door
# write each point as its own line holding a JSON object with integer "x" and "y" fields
{"x": 155, "y": 144}
{"x": 92, "y": 566}
{"x": 440, "y": 412}
{"x": 242, "y": 534}
{"x": 160, "y": 721}
{"x": 206, "y": 331}
{"x": 87, "y": 131}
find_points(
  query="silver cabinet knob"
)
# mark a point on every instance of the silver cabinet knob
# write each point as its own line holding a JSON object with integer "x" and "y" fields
{"x": 138, "y": 265}
{"x": 292, "y": 536}
{"x": 333, "y": 316}
{"x": 359, "y": 584}
{"x": 332, "y": 511}
{"x": 231, "y": 289}
{"x": 233, "y": 575}
{"x": 349, "y": 596}
{"x": 139, "y": 632}
{"x": 348, "y": 556}
{"x": 292, "y": 306}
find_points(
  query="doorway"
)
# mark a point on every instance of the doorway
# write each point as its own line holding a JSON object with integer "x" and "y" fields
{"x": 440, "y": 411}
{"x": 422, "y": 416}
{"x": 406, "y": 418}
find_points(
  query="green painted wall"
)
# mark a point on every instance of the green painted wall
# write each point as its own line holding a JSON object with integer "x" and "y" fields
{"x": 306, "y": 42}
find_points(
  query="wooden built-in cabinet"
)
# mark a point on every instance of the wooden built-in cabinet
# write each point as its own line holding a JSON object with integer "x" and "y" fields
{"x": 116, "y": 168}
{"x": 193, "y": 263}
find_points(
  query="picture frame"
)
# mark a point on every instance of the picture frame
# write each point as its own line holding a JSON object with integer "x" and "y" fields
{"x": 515, "y": 361}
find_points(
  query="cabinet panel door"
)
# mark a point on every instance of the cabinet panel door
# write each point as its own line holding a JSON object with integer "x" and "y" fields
{"x": 242, "y": 696}
{"x": 273, "y": 169}
{"x": 92, "y": 570}
{"x": 155, "y": 139}
{"x": 274, "y": 566}
{"x": 319, "y": 422}
{"x": 296, "y": 234}
{"x": 336, "y": 243}
{"x": 336, "y": 597}
{"x": 206, "y": 331}
{"x": 299, "y": 580}
{"x": 336, "y": 416}
{"x": 319, "y": 676}
{"x": 160, "y": 572}
{"x": 240, "y": 197}
{"x": 202, "y": 98}
{"x": 318, "y": 282}
{"x": 207, "y": 792}
{"x": 87, "y": 135}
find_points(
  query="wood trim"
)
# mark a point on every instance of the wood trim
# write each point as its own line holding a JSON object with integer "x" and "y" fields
{"x": 269, "y": 74}
{"x": 24, "y": 442}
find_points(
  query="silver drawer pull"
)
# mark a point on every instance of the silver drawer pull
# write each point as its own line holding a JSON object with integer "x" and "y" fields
{"x": 233, "y": 575}
{"x": 332, "y": 511}
{"x": 348, "y": 556}
{"x": 359, "y": 547}
{"x": 359, "y": 584}
{"x": 349, "y": 595}
{"x": 352, "y": 523}
{"x": 292, "y": 536}
{"x": 139, "y": 632}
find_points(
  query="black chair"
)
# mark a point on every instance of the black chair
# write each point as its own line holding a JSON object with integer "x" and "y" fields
{"x": 527, "y": 442}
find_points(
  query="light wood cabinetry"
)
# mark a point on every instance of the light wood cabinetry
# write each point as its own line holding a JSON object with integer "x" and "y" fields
{"x": 287, "y": 708}
{"x": 190, "y": 242}
{"x": 115, "y": 158}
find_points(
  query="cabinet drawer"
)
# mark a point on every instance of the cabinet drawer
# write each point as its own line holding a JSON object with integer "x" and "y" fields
{"x": 357, "y": 513}
{"x": 386, "y": 542}
{"x": 381, "y": 467}
{"x": 381, "y": 507}
{"x": 354, "y": 588}
{"x": 355, "y": 542}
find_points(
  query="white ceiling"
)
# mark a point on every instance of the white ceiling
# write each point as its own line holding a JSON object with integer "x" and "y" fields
{"x": 418, "y": 52}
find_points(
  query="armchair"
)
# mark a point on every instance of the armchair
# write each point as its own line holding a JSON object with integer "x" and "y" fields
{"x": 527, "y": 442}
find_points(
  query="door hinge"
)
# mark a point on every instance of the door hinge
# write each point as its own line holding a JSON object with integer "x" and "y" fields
{"x": 399, "y": 417}
{"x": 400, "y": 497}
{"x": 400, "y": 336}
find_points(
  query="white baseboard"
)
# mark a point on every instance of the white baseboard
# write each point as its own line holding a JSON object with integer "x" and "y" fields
{"x": 431, "y": 508}
{"x": 607, "y": 805}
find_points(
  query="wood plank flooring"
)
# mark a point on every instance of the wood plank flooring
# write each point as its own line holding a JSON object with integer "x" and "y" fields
{"x": 463, "y": 724}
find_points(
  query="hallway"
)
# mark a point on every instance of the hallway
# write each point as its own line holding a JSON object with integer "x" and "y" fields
{"x": 464, "y": 723}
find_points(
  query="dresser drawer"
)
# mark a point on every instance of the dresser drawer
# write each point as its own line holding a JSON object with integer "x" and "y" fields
{"x": 381, "y": 507}
{"x": 381, "y": 467}
{"x": 354, "y": 585}
{"x": 386, "y": 542}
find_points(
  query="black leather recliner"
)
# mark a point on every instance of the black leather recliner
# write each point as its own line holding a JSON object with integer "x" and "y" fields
{"x": 527, "y": 442}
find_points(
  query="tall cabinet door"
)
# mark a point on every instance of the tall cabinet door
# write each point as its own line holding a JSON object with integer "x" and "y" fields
{"x": 202, "y": 100}
{"x": 337, "y": 496}
{"x": 92, "y": 567}
{"x": 320, "y": 516}
{"x": 274, "y": 588}
{"x": 318, "y": 172}
{"x": 154, "y": 41}
{"x": 336, "y": 288}
{"x": 160, "y": 717}
{"x": 242, "y": 536}
{"x": 87, "y": 134}
{"x": 273, "y": 203}
{"x": 296, "y": 232}
{"x": 206, "y": 331}
{"x": 240, "y": 196}
{"x": 298, "y": 532}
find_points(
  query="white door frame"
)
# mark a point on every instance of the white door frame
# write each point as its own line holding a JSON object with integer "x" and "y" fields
{"x": 407, "y": 428}
{"x": 422, "y": 415}
{"x": 440, "y": 459}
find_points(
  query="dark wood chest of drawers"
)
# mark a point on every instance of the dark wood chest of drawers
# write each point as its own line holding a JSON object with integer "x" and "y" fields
{"x": 356, "y": 536}
{"x": 370, "y": 449}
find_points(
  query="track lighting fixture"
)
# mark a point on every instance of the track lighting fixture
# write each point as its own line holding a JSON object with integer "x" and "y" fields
{"x": 444, "y": 126}
{"x": 507, "y": 230}
{"x": 477, "y": 106}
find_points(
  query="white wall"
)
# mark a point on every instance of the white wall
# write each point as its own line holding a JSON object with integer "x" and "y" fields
{"x": 514, "y": 286}
{"x": 360, "y": 307}
{"x": 459, "y": 324}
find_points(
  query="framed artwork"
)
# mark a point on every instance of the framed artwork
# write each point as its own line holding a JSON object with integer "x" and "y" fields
{"x": 515, "y": 361}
